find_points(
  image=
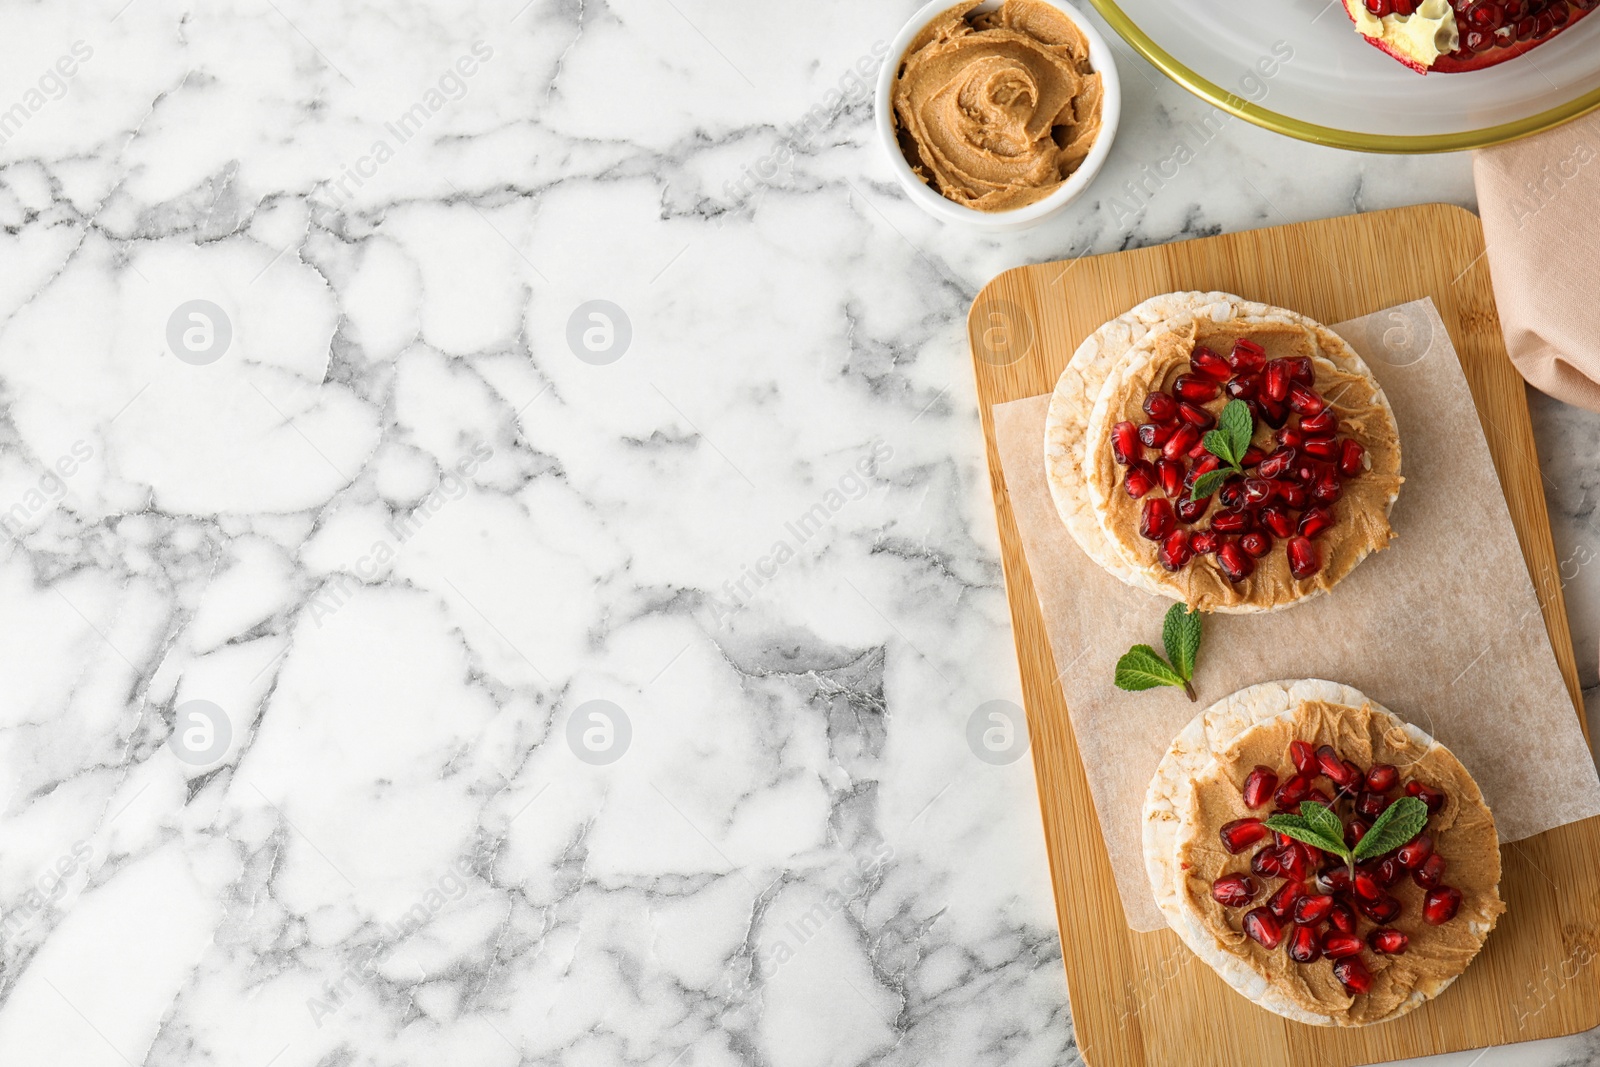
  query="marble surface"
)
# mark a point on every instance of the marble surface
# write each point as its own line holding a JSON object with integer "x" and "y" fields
{"x": 303, "y": 631}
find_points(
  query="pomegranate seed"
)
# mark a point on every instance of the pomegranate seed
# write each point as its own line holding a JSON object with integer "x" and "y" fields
{"x": 1205, "y": 542}
{"x": 1388, "y": 872}
{"x": 1276, "y": 520}
{"x": 1301, "y": 370}
{"x": 1267, "y": 863}
{"x": 1484, "y": 15}
{"x": 1342, "y": 918}
{"x": 1263, "y": 927}
{"x": 1351, "y": 458}
{"x": 1207, "y": 464}
{"x": 1244, "y": 387}
{"x": 1247, "y": 357}
{"x": 1282, "y": 903}
{"x": 1321, "y": 425}
{"x": 1303, "y": 947}
{"x": 1315, "y": 521}
{"x": 1231, "y": 495}
{"x": 1321, "y": 797}
{"x": 1195, "y": 415}
{"x": 1289, "y": 437}
{"x": 1256, "y": 543}
{"x": 1259, "y": 785}
{"x": 1278, "y": 464}
{"x": 1240, "y": 834}
{"x": 1334, "y": 878}
{"x": 1293, "y": 495}
{"x": 1176, "y": 551}
{"x": 1305, "y": 401}
{"x": 1321, "y": 448}
{"x": 1326, "y": 489}
{"x": 1207, "y": 362}
{"x": 1370, "y": 805}
{"x": 1440, "y": 905}
{"x": 1179, "y": 443}
{"x": 1231, "y": 520}
{"x": 1526, "y": 27}
{"x": 1427, "y": 794}
{"x": 1294, "y": 790}
{"x": 1233, "y": 890}
{"x": 1197, "y": 388}
{"x": 1405, "y": 7}
{"x": 1366, "y": 886}
{"x": 1191, "y": 510}
{"x": 1385, "y": 909}
{"x": 1382, "y": 777}
{"x": 1140, "y": 480}
{"x": 1156, "y": 521}
{"x": 1477, "y": 41}
{"x": 1161, "y": 407}
{"x": 1388, "y": 942}
{"x": 1312, "y": 908}
{"x": 1170, "y": 472}
{"x": 1380, "y": 8}
{"x": 1305, "y": 558}
{"x": 1415, "y": 853}
{"x": 1275, "y": 380}
{"x": 1156, "y": 434}
{"x": 1124, "y": 442}
{"x": 1257, "y": 491}
{"x": 1303, "y": 756}
{"x": 1354, "y": 831}
{"x": 1337, "y": 946}
{"x": 1330, "y": 764}
{"x": 1252, "y": 457}
{"x": 1431, "y": 873}
{"x": 1353, "y": 974}
{"x": 1295, "y": 859}
{"x": 1272, "y": 413}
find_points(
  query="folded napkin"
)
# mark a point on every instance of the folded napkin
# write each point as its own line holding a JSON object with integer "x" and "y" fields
{"x": 1539, "y": 199}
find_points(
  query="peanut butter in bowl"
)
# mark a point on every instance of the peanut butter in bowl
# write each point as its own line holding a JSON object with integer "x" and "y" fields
{"x": 995, "y": 108}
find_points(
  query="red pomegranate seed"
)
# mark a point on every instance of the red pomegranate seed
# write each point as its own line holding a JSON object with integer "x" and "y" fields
{"x": 1365, "y": 885}
{"x": 1305, "y": 401}
{"x": 1405, "y": 7}
{"x": 1388, "y": 872}
{"x": 1382, "y": 777}
{"x": 1370, "y": 805}
{"x": 1354, "y": 831}
{"x": 1205, "y": 542}
{"x": 1294, "y": 790}
{"x": 1315, "y": 521}
{"x": 1207, "y": 464}
{"x": 1353, "y": 974}
{"x": 1176, "y": 552}
{"x": 1431, "y": 873}
{"x": 1190, "y": 510}
{"x": 1303, "y": 947}
{"x": 1321, "y": 797}
{"x": 1386, "y": 909}
{"x": 1303, "y": 756}
{"x": 1124, "y": 442}
{"x": 1334, "y": 878}
{"x": 1161, "y": 407}
{"x": 1272, "y": 413}
{"x": 1351, "y": 458}
{"x": 1263, "y": 927}
{"x": 1388, "y": 942}
{"x": 1427, "y": 794}
{"x": 1275, "y": 380}
{"x": 1231, "y": 520}
{"x": 1231, "y": 495}
{"x": 1207, "y": 362}
{"x": 1195, "y": 415}
{"x": 1233, "y": 890}
{"x": 1247, "y": 357}
{"x": 1326, "y": 489}
{"x": 1329, "y": 763}
{"x": 1170, "y": 472}
{"x": 1179, "y": 443}
{"x": 1277, "y": 464}
{"x": 1256, "y": 543}
{"x": 1156, "y": 521}
{"x": 1326, "y": 448}
{"x": 1257, "y": 491}
{"x": 1196, "y": 387}
{"x": 1289, "y": 437}
{"x": 1267, "y": 862}
{"x": 1259, "y": 785}
{"x": 1292, "y": 494}
{"x": 1301, "y": 370}
{"x": 1141, "y": 478}
{"x": 1337, "y": 946}
{"x": 1277, "y": 520}
{"x": 1415, "y": 853}
{"x": 1252, "y": 457}
{"x": 1440, "y": 905}
{"x": 1295, "y": 859}
{"x": 1311, "y": 909}
{"x": 1240, "y": 834}
{"x": 1244, "y": 387}
{"x": 1324, "y": 424}
{"x": 1282, "y": 903}
{"x": 1342, "y": 918}
{"x": 1156, "y": 434}
{"x": 1380, "y": 8}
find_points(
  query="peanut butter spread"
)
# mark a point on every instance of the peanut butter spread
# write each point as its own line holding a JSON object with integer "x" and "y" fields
{"x": 996, "y": 110}
{"x": 1361, "y": 513}
{"x": 1463, "y": 832}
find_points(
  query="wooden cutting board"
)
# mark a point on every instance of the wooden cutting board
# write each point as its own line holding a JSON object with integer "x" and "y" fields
{"x": 1143, "y": 999}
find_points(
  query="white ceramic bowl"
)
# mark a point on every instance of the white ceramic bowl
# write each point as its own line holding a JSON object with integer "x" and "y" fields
{"x": 1030, "y": 214}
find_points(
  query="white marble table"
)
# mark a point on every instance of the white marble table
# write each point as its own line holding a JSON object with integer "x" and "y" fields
{"x": 393, "y": 534}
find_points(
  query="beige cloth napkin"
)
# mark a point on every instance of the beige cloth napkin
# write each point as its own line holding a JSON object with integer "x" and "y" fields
{"x": 1539, "y": 199}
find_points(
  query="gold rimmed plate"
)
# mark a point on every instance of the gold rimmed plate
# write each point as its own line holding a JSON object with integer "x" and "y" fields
{"x": 1298, "y": 67}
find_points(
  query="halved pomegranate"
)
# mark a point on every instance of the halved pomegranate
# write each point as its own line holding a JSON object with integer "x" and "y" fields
{"x": 1468, "y": 34}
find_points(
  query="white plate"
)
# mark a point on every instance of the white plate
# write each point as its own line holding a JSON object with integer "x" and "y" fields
{"x": 1300, "y": 67}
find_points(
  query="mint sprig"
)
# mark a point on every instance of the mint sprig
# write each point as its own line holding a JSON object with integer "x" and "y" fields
{"x": 1141, "y": 667}
{"x": 1228, "y": 442}
{"x": 1320, "y": 828}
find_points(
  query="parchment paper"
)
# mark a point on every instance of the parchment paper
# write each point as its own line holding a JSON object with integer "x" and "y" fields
{"x": 1443, "y": 626}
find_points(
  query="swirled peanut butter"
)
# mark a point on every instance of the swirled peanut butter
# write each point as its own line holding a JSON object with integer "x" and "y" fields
{"x": 996, "y": 110}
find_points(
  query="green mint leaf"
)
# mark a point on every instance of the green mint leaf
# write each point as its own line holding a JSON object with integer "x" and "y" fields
{"x": 1239, "y": 426}
{"x": 1399, "y": 823}
{"x": 1141, "y": 668}
{"x": 1320, "y": 818}
{"x": 1299, "y": 828}
{"x": 1209, "y": 483}
{"x": 1180, "y": 633}
{"x": 1219, "y": 444}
